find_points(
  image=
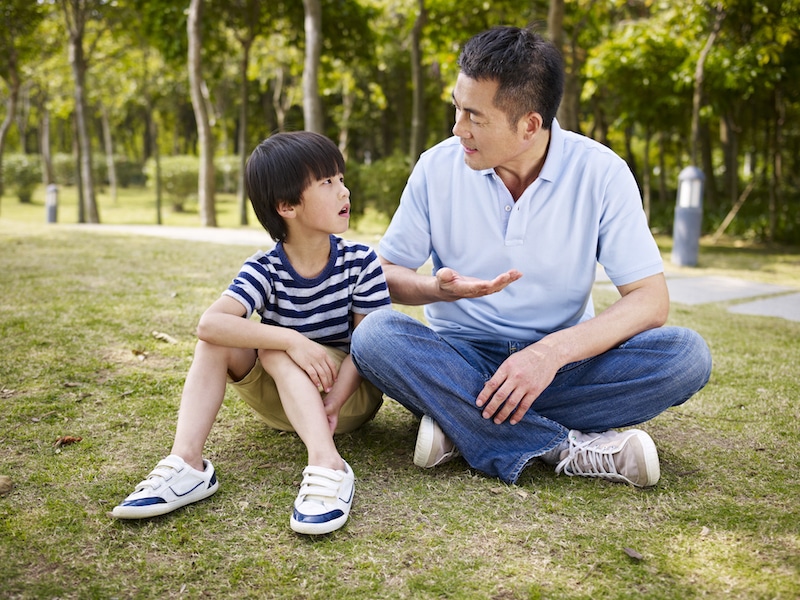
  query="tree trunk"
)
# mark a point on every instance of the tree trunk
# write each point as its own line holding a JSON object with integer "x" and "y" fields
{"x": 417, "y": 142}
{"x": 662, "y": 167}
{"x": 44, "y": 143}
{"x": 775, "y": 195}
{"x": 205, "y": 183}
{"x": 75, "y": 17}
{"x": 312, "y": 105}
{"x": 569, "y": 108}
{"x": 241, "y": 197}
{"x": 11, "y": 104}
{"x": 646, "y": 174}
{"x": 278, "y": 103}
{"x": 699, "y": 77}
{"x": 153, "y": 129}
{"x": 109, "y": 148}
{"x": 348, "y": 100}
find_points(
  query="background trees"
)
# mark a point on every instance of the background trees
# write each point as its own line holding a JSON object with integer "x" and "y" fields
{"x": 107, "y": 84}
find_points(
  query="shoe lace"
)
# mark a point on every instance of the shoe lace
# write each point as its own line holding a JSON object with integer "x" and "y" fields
{"x": 319, "y": 484}
{"x": 588, "y": 462}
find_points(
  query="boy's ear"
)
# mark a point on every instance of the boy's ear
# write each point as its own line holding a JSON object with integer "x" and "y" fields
{"x": 286, "y": 210}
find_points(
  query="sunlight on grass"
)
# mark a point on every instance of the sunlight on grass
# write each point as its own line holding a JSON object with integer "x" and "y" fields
{"x": 77, "y": 315}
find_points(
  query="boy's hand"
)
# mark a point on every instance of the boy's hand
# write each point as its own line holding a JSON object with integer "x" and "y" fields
{"x": 314, "y": 360}
{"x": 332, "y": 407}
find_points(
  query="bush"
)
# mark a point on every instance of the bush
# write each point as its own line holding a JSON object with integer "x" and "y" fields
{"x": 378, "y": 185}
{"x": 178, "y": 178}
{"x": 226, "y": 174}
{"x": 22, "y": 173}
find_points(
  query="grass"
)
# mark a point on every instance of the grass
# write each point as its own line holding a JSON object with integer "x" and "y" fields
{"x": 77, "y": 316}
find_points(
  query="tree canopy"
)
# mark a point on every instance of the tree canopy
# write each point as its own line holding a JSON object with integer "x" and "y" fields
{"x": 88, "y": 78}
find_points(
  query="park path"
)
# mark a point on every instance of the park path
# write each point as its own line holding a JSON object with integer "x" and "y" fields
{"x": 745, "y": 297}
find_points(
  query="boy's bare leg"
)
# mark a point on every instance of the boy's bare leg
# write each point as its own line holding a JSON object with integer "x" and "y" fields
{"x": 203, "y": 393}
{"x": 303, "y": 406}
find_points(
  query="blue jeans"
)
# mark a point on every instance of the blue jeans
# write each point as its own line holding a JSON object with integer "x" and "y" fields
{"x": 442, "y": 376}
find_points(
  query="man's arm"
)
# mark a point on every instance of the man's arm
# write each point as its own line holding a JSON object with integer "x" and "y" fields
{"x": 408, "y": 287}
{"x": 514, "y": 387}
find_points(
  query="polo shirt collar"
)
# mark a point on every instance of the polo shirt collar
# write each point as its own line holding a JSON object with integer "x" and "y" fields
{"x": 555, "y": 154}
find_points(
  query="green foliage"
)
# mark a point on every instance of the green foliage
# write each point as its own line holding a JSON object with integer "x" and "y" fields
{"x": 22, "y": 173}
{"x": 378, "y": 185}
{"x": 129, "y": 172}
{"x": 179, "y": 175}
{"x": 226, "y": 173}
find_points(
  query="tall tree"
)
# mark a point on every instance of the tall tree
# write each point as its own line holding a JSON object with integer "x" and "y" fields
{"x": 20, "y": 19}
{"x": 312, "y": 105}
{"x": 205, "y": 183}
{"x": 77, "y": 13}
{"x": 417, "y": 144}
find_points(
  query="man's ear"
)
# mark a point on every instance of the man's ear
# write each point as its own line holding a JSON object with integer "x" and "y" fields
{"x": 532, "y": 123}
{"x": 286, "y": 210}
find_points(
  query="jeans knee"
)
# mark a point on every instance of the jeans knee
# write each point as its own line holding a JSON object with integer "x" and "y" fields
{"x": 693, "y": 363}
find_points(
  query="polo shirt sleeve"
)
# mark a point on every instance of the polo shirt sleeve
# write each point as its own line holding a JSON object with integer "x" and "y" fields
{"x": 626, "y": 247}
{"x": 407, "y": 241}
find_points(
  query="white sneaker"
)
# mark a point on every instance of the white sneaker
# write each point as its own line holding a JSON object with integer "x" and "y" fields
{"x": 621, "y": 456}
{"x": 324, "y": 501}
{"x": 433, "y": 447}
{"x": 172, "y": 484}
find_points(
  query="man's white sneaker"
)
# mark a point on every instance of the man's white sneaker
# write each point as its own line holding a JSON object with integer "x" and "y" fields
{"x": 172, "y": 484}
{"x": 433, "y": 447}
{"x": 621, "y": 456}
{"x": 324, "y": 501}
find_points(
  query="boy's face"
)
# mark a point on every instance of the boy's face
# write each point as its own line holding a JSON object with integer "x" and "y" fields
{"x": 324, "y": 206}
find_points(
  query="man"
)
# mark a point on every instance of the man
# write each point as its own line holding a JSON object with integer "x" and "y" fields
{"x": 516, "y": 213}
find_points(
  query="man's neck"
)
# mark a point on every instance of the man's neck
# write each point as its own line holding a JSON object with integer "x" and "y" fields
{"x": 518, "y": 178}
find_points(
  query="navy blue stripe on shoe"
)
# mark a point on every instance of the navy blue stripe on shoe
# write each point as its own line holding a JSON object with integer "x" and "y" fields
{"x": 323, "y": 518}
{"x": 144, "y": 502}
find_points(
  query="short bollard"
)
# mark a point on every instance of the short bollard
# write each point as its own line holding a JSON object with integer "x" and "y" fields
{"x": 51, "y": 203}
{"x": 688, "y": 218}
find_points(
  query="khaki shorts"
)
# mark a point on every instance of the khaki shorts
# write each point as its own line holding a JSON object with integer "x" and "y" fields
{"x": 258, "y": 390}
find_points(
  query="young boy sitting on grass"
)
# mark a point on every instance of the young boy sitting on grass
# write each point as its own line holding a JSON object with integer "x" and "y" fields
{"x": 293, "y": 366}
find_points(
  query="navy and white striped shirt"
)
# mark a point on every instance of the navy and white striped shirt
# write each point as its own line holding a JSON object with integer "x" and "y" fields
{"x": 319, "y": 308}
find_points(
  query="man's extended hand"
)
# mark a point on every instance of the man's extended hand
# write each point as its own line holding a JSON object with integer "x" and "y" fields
{"x": 516, "y": 384}
{"x": 455, "y": 286}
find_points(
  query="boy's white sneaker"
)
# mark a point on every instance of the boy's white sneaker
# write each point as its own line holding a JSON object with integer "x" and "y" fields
{"x": 622, "y": 456}
{"x": 172, "y": 484}
{"x": 433, "y": 447}
{"x": 324, "y": 501}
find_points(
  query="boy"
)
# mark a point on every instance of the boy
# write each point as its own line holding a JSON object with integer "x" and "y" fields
{"x": 293, "y": 366}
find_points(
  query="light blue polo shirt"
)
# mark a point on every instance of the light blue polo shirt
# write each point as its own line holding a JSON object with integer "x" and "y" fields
{"x": 584, "y": 208}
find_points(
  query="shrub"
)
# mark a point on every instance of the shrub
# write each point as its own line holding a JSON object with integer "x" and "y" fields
{"x": 178, "y": 178}
{"x": 22, "y": 173}
{"x": 226, "y": 173}
{"x": 379, "y": 184}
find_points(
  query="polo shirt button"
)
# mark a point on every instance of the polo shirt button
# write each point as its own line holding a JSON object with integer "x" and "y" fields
{"x": 508, "y": 208}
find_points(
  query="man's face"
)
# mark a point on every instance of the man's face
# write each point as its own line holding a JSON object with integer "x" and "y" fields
{"x": 486, "y": 136}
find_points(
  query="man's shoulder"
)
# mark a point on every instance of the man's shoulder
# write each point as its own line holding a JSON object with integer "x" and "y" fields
{"x": 580, "y": 144}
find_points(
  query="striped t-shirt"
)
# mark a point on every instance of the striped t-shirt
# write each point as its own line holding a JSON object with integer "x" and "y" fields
{"x": 319, "y": 308}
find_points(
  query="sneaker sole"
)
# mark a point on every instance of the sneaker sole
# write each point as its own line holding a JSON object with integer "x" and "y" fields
{"x": 424, "y": 446}
{"x": 317, "y": 528}
{"x": 651, "y": 464}
{"x": 156, "y": 510}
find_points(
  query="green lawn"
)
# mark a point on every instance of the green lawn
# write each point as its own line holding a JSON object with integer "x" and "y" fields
{"x": 79, "y": 358}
